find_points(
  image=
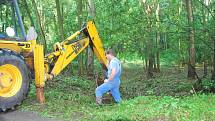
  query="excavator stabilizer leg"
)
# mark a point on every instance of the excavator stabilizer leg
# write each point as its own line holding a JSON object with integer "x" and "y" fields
{"x": 39, "y": 72}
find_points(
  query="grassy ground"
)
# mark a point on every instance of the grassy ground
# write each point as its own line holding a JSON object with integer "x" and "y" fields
{"x": 167, "y": 97}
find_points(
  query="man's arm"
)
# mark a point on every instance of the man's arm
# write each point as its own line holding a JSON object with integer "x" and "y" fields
{"x": 113, "y": 73}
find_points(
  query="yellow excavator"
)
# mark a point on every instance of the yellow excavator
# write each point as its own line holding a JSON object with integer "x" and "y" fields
{"x": 23, "y": 60}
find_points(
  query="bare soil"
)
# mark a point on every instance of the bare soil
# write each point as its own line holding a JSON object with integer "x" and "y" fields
{"x": 22, "y": 116}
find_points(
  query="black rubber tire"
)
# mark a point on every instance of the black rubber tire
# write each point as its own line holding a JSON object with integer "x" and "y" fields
{"x": 9, "y": 57}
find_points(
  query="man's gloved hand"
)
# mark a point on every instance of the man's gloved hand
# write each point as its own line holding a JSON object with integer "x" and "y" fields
{"x": 106, "y": 80}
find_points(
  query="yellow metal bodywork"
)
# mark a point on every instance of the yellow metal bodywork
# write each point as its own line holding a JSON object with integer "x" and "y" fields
{"x": 39, "y": 66}
{"x": 71, "y": 37}
{"x": 10, "y": 80}
{"x": 66, "y": 52}
{"x": 17, "y": 46}
{"x": 69, "y": 53}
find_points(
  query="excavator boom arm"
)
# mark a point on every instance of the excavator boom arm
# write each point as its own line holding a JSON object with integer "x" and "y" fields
{"x": 69, "y": 49}
{"x": 64, "y": 53}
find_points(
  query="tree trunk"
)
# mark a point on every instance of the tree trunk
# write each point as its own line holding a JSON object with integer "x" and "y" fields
{"x": 6, "y": 16}
{"x": 42, "y": 33}
{"x": 80, "y": 56}
{"x": 55, "y": 24}
{"x": 180, "y": 62}
{"x": 59, "y": 19}
{"x": 146, "y": 60}
{"x": 204, "y": 20}
{"x": 158, "y": 39}
{"x": 205, "y": 68}
{"x": 150, "y": 66}
{"x": 154, "y": 63}
{"x": 91, "y": 9}
{"x": 29, "y": 13}
{"x": 165, "y": 41}
{"x": 150, "y": 57}
{"x": 1, "y": 17}
{"x": 90, "y": 57}
{"x": 213, "y": 72}
{"x": 158, "y": 52}
{"x": 149, "y": 13}
{"x": 191, "y": 63}
{"x": 213, "y": 38}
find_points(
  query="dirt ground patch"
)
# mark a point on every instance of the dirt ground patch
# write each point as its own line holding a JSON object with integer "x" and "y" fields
{"x": 22, "y": 116}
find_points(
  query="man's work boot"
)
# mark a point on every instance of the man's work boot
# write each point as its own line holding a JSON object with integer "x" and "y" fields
{"x": 98, "y": 100}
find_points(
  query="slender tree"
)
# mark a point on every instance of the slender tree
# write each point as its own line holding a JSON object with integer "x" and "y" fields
{"x": 59, "y": 19}
{"x": 29, "y": 12}
{"x": 90, "y": 57}
{"x": 204, "y": 20}
{"x": 158, "y": 38}
{"x": 79, "y": 14}
{"x": 149, "y": 9}
{"x": 191, "y": 62}
{"x": 42, "y": 33}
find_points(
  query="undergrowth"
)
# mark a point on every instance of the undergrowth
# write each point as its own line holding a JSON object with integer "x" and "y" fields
{"x": 169, "y": 96}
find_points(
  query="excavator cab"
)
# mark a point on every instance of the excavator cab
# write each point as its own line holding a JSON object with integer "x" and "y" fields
{"x": 22, "y": 59}
{"x": 11, "y": 25}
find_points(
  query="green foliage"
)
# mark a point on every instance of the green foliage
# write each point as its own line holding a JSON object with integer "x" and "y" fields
{"x": 172, "y": 81}
{"x": 169, "y": 96}
{"x": 149, "y": 108}
{"x": 169, "y": 57}
{"x": 77, "y": 106}
{"x": 63, "y": 97}
{"x": 207, "y": 85}
{"x": 125, "y": 26}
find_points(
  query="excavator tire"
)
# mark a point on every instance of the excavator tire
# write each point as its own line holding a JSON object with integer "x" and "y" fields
{"x": 14, "y": 80}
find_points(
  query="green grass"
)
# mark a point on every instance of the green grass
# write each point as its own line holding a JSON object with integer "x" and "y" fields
{"x": 196, "y": 107}
{"x": 167, "y": 97}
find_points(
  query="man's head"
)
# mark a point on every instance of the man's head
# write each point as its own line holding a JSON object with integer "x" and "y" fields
{"x": 109, "y": 54}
